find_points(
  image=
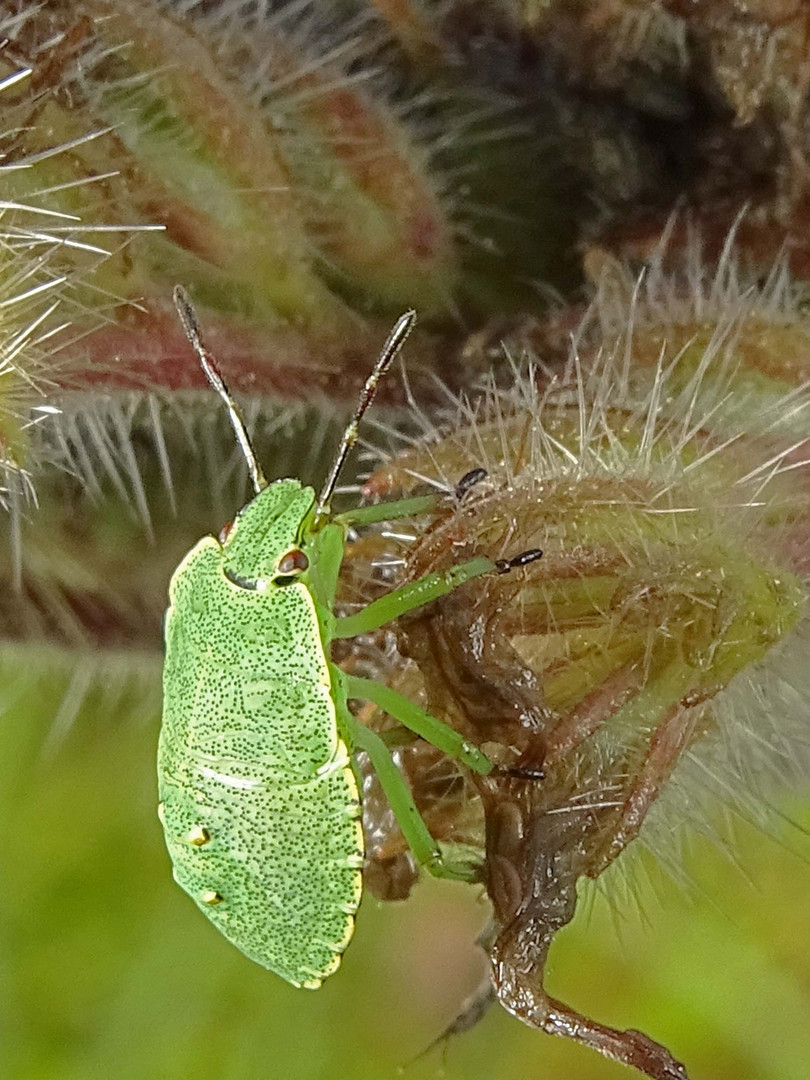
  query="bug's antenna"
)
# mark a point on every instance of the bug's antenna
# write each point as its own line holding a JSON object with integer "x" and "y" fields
{"x": 212, "y": 373}
{"x": 396, "y": 339}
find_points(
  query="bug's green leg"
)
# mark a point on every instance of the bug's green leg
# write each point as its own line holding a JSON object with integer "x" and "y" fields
{"x": 416, "y": 504}
{"x": 417, "y": 720}
{"x": 408, "y": 597}
{"x": 416, "y": 833}
{"x": 389, "y": 511}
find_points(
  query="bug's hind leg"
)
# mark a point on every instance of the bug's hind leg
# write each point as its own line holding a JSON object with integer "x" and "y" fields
{"x": 421, "y": 723}
{"x": 416, "y": 833}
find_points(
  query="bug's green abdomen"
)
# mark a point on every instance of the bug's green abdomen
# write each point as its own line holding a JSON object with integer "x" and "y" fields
{"x": 259, "y": 802}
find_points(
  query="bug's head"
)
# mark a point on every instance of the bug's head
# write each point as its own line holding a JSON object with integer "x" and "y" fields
{"x": 265, "y": 540}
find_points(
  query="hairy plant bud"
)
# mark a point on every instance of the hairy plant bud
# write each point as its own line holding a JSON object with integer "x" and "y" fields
{"x": 655, "y": 648}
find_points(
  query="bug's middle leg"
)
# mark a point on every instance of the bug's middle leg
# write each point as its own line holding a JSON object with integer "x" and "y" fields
{"x": 424, "y": 591}
{"x": 409, "y": 597}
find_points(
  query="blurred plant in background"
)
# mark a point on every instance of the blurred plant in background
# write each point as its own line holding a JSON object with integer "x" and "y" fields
{"x": 307, "y": 171}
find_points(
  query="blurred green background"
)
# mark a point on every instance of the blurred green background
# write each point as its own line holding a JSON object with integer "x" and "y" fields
{"x": 108, "y": 971}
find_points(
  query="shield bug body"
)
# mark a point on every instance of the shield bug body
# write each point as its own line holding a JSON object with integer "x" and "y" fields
{"x": 259, "y": 799}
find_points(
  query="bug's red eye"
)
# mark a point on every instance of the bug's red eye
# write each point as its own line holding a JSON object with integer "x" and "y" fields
{"x": 294, "y": 562}
{"x": 225, "y": 531}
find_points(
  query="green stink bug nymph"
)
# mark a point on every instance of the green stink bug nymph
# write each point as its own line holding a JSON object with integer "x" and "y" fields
{"x": 259, "y": 799}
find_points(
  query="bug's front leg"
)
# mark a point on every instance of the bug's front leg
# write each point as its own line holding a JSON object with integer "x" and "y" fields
{"x": 410, "y": 506}
{"x": 389, "y": 511}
